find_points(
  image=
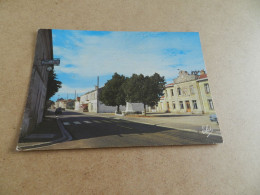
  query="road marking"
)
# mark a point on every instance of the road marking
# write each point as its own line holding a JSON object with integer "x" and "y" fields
{"x": 87, "y": 122}
{"x": 76, "y": 122}
{"x": 66, "y": 123}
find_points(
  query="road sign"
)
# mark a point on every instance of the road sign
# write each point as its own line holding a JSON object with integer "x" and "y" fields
{"x": 51, "y": 62}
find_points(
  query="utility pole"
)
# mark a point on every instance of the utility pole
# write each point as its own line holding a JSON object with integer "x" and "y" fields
{"x": 97, "y": 94}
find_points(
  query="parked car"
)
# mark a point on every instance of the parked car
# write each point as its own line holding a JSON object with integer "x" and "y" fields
{"x": 58, "y": 111}
{"x": 213, "y": 118}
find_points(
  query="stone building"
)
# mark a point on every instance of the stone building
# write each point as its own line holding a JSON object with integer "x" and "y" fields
{"x": 189, "y": 93}
{"x": 34, "y": 109}
{"x": 206, "y": 98}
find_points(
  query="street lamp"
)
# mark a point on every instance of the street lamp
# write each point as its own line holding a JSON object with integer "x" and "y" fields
{"x": 49, "y": 68}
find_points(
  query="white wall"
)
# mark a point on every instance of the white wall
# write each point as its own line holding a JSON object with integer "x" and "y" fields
{"x": 77, "y": 105}
{"x": 109, "y": 109}
{"x": 134, "y": 107}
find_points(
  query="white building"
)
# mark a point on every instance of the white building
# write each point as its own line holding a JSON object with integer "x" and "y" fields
{"x": 89, "y": 102}
{"x": 77, "y": 103}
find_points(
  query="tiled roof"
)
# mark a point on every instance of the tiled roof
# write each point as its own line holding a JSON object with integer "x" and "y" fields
{"x": 203, "y": 76}
{"x": 169, "y": 85}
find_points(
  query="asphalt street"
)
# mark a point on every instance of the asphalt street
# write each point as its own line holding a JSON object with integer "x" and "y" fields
{"x": 93, "y": 131}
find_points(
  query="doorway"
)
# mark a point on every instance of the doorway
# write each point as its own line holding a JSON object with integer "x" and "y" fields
{"x": 168, "y": 107}
{"x": 188, "y": 109}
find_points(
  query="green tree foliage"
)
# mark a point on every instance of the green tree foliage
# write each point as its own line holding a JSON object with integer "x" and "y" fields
{"x": 112, "y": 94}
{"x": 70, "y": 104}
{"x": 144, "y": 89}
{"x": 49, "y": 103}
{"x": 53, "y": 85}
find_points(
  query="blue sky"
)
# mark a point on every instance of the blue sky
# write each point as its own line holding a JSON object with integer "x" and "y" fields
{"x": 85, "y": 55}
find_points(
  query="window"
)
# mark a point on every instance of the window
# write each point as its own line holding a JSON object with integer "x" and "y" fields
{"x": 192, "y": 91}
{"x": 173, "y": 105}
{"x": 195, "y": 106}
{"x": 211, "y": 106}
{"x": 166, "y": 94}
{"x": 172, "y": 92}
{"x": 206, "y": 86}
{"x": 181, "y": 105}
{"x": 179, "y": 91}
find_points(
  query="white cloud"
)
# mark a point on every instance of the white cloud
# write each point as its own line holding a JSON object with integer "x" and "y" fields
{"x": 66, "y": 89}
{"x": 125, "y": 54}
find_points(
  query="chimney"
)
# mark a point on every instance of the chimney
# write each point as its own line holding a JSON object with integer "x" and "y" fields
{"x": 202, "y": 72}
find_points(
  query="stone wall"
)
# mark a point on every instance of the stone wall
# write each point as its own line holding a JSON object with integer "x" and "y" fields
{"x": 33, "y": 113}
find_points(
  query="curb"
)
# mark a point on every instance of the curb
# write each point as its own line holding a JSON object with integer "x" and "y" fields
{"x": 65, "y": 137}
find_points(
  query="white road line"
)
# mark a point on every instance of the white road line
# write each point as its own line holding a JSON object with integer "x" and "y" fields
{"x": 87, "y": 122}
{"x": 76, "y": 122}
{"x": 66, "y": 123}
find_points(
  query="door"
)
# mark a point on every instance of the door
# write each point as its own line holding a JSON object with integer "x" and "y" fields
{"x": 168, "y": 107}
{"x": 188, "y": 106}
{"x": 85, "y": 108}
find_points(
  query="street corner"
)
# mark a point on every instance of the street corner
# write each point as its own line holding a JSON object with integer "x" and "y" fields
{"x": 49, "y": 132}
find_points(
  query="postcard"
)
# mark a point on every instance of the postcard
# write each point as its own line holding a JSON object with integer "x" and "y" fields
{"x": 103, "y": 89}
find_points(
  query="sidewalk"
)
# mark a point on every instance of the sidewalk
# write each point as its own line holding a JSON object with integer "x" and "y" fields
{"x": 48, "y": 132}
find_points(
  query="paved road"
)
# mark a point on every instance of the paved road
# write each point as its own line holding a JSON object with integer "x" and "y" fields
{"x": 93, "y": 131}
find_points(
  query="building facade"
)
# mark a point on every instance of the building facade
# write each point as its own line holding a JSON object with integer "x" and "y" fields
{"x": 34, "y": 109}
{"x": 89, "y": 102}
{"x": 206, "y": 98}
{"x": 77, "y": 103}
{"x": 189, "y": 93}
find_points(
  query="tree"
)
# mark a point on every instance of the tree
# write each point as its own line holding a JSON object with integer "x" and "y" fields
{"x": 144, "y": 89}
{"x": 49, "y": 103}
{"x": 53, "y": 86}
{"x": 70, "y": 104}
{"x": 112, "y": 94}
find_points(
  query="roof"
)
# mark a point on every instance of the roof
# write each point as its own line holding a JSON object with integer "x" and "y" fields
{"x": 100, "y": 88}
{"x": 203, "y": 76}
{"x": 169, "y": 85}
